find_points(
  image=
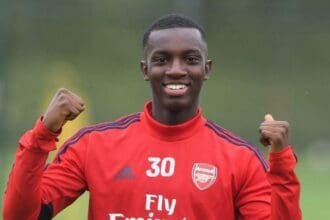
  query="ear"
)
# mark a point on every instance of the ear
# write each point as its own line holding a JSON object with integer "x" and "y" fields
{"x": 144, "y": 70}
{"x": 207, "y": 69}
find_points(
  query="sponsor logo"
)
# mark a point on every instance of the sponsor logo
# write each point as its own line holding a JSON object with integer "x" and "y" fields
{"x": 121, "y": 216}
{"x": 125, "y": 173}
{"x": 204, "y": 175}
{"x": 154, "y": 203}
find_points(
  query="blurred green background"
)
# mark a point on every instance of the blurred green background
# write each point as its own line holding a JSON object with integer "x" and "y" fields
{"x": 269, "y": 56}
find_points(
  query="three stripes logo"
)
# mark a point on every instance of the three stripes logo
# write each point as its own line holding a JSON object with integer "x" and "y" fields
{"x": 125, "y": 173}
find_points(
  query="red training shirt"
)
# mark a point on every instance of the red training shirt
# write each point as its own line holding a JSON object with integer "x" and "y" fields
{"x": 139, "y": 169}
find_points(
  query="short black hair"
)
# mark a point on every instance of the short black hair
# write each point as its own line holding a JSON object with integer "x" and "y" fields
{"x": 172, "y": 21}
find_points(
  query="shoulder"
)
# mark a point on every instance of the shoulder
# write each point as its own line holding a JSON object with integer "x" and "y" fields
{"x": 100, "y": 128}
{"x": 235, "y": 142}
{"x": 227, "y": 135}
{"x": 121, "y": 123}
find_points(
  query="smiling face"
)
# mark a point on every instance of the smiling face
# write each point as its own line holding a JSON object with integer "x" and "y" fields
{"x": 176, "y": 65}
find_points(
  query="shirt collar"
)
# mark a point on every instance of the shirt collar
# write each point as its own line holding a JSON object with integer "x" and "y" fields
{"x": 171, "y": 132}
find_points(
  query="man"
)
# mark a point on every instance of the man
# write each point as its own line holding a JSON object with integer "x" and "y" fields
{"x": 167, "y": 162}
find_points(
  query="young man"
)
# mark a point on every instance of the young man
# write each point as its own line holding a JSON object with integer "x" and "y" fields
{"x": 167, "y": 162}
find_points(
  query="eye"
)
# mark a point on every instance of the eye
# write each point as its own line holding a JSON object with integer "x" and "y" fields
{"x": 192, "y": 59}
{"x": 159, "y": 60}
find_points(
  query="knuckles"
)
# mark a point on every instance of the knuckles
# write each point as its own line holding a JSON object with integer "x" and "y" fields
{"x": 274, "y": 133}
{"x": 61, "y": 96}
{"x": 64, "y": 103}
{"x": 276, "y": 130}
{"x": 63, "y": 107}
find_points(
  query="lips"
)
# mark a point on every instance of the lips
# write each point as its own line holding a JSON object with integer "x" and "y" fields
{"x": 176, "y": 89}
{"x": 175, "y": 86}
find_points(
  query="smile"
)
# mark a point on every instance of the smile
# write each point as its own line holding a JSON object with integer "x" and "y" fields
{"x": 176, "y": 89}
{"x": 176, "y": 86}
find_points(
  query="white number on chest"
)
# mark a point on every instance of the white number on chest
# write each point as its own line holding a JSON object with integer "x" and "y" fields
{"x": 161, "y": 166}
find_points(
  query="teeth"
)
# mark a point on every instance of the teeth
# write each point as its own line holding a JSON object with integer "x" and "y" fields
{"x": 176, "y": 86}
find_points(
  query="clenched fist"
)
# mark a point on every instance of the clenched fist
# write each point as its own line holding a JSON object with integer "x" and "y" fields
{"x": 274, "y": 133}
{"x": 64, "y": 106}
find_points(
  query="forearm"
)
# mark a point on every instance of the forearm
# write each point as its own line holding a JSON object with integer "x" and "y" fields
{"x": 22, "y": 199}
{"x": 285, "y": 186}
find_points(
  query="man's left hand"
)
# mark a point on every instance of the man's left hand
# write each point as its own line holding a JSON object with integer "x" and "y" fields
{"x": 274, "y": 133}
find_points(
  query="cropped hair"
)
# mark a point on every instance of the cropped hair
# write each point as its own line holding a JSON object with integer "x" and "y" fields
{"x": 172, "y": 21}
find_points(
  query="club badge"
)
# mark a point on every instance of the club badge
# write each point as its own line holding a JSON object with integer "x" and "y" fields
{"x": 204, "y": 175}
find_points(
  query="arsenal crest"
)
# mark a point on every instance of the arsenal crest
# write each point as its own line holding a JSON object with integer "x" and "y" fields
{"x": 204, "y": 175}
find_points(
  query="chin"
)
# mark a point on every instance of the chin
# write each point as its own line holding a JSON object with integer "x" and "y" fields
{"x": 177, "y": 104}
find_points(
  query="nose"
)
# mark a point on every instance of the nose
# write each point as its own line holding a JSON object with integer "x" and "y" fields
{"x": 176, "y": 69}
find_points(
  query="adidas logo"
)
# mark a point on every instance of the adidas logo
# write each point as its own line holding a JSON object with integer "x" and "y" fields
{"x": 125, "y": 173}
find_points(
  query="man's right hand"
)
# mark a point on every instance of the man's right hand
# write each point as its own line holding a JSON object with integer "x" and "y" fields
{"x": 65, "y": 106}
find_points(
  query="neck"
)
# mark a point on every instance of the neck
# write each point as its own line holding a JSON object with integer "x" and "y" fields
{"x": 173, "y": 116}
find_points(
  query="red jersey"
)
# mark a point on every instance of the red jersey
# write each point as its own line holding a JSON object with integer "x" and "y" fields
{"x": 137, "y": 168}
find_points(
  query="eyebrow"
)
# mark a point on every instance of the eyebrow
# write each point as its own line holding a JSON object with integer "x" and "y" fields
{"x": 165, "y": 52}
{"x": 199, "y": 52}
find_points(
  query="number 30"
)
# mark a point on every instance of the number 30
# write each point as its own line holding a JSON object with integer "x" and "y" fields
{"x": 164, "y": 167}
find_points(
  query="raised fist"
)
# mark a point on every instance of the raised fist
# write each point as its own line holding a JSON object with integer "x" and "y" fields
{"x": 274, "y": 133}
{"x": 64, "y": 106}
